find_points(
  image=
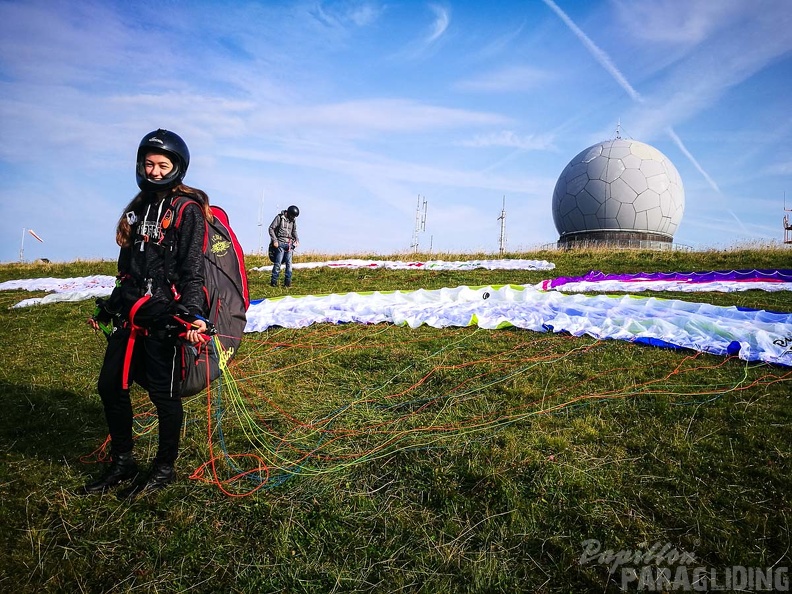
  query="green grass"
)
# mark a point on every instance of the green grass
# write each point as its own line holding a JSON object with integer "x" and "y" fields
{"x": 457, "y": 460}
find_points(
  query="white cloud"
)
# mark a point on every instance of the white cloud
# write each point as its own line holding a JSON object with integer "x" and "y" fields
{"x": 495, "y": 47}
{"x": 365, "y": 14}
{"x": 371, "y": 116}
{"x": 419, "y": 48}
{"x": 781, "y": 168}
{"x": 339, "y": 14}
{"x": 509, "y": 79}
{"x": 362, "y": 165}
{"x": 442, "y": 20}
{"x": 507, "y": 138}
{"x": 744, "y": 40}
{"x": 680, "y": 21}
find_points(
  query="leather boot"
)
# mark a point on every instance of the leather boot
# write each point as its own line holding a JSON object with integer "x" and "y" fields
{"x": 122, "y": 468}
{"x": 162, "y": 475}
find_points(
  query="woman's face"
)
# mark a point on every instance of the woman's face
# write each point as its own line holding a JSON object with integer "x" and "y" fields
{"x": 157, "y": 166}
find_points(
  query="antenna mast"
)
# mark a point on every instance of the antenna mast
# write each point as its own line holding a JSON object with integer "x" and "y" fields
{"x": 502, "y": 238}
{"x": 787, "y": 224}
{"x": 261, "y": 225}
{"x": 420, "y": 222}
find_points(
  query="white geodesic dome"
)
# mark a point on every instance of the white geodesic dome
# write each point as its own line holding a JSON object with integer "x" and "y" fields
{"x": 619, "y": 187}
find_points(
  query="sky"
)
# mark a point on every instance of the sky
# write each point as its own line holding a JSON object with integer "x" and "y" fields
{"x": 358, "y": 111}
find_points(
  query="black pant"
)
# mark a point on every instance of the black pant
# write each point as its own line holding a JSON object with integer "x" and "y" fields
{"x": 156, "y": 366}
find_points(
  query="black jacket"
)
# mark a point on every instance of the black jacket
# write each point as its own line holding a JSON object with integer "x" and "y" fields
{"x": 166, "y": 257}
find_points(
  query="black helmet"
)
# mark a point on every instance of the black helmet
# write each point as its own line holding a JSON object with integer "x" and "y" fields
{"x": 172, "y": 146}
{"x": 293, "y": 211}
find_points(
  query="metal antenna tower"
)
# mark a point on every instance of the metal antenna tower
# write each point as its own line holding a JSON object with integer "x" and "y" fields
{"x": 502, "y": 238}
{"x": 787, "y": 224}
{"x": 420, "y": 222}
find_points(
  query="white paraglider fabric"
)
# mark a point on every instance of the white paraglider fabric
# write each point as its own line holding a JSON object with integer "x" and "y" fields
{"x": 753, "y": 335}
{"x": 502, "y": 264}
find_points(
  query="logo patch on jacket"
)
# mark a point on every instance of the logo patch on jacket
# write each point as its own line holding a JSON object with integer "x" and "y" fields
{"x": 220, "y": 246}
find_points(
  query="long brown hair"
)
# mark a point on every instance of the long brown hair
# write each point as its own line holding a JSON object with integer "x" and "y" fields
{"x": 124, "y": 229}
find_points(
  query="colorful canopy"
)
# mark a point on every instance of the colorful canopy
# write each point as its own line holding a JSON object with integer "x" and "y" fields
{"x": 753, "y": 335}
{"x": 719, "y": 280}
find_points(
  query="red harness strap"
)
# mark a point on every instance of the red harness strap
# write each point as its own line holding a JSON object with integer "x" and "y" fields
{"x": 134, "y": 330}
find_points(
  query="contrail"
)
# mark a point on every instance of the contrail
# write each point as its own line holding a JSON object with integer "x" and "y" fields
{"x": 686, "y": 152}
{"x": 736, "y": 218}
{"x": 598, "y": 54}
{"x": 610, "y": 67}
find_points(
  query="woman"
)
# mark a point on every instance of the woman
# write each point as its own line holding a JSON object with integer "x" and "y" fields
{"x": 158, "y": 303}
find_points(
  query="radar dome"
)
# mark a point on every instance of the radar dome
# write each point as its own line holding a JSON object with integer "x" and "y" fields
{"x": 618, "y": 191}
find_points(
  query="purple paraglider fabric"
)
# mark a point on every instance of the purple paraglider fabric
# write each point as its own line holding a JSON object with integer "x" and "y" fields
{"x": 716, "y": 280}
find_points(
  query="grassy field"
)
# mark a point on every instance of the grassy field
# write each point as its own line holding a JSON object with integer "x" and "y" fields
{"x": 403, "y": 460}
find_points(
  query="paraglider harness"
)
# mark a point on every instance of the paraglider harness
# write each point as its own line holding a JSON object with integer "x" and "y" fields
{"x": 273, "y": 251}
{"x": 226, "y": 291}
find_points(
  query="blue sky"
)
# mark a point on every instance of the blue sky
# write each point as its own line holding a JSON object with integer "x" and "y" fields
{"x": 353, "y": 109}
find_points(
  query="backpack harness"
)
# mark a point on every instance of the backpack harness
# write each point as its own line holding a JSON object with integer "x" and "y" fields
{"x": 226, "y": 291}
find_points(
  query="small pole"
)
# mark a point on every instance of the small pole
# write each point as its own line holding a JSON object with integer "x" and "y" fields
{"x": 261, "y": 225}
{"x": 22, "y": 246}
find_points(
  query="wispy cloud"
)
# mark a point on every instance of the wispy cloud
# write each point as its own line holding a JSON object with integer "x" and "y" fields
{"x": 510, "y": 79}
{"x": 365, "y": 13}
{"x": 495, "y": 47}
{"x": 368, "y": 117}
{"x": 507, "y": 138}
{"x": 359, "y": 13}
{"x": 375, "y": 167}
{"x": 435, "y": 33}
{"x": 679, "y": 21}
{"x": 441, "y": 22}
{"x": 781, "y": 168}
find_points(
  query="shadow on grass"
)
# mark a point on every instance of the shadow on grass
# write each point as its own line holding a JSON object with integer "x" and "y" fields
{"x": 49, "y": 424}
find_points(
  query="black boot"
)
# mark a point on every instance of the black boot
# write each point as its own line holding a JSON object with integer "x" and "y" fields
{"x": 122, "y": 468}
{"x": 162, "y": 475}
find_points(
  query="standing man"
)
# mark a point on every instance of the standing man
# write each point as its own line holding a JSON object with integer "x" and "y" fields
{"x": 284, "y": 239}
